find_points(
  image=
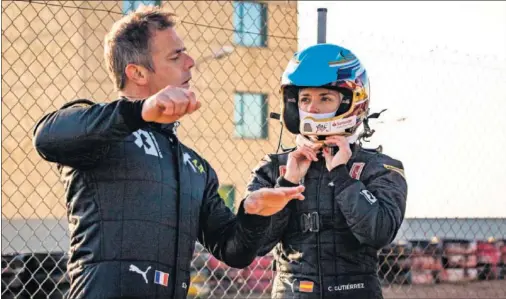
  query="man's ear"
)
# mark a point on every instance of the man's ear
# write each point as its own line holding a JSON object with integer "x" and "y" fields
{"x": 137, "y": 74}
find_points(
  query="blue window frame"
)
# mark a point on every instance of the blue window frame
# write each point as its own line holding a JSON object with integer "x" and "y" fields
{"x": 250, "y": 115}
{"x": 250, "y": 24}
{"x": 129, "y": 5}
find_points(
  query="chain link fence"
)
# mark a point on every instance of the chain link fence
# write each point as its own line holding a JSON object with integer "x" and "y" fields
{"x": 52, "y": 53}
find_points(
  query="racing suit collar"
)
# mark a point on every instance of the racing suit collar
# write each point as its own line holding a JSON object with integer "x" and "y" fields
{"x": 170, "y": 128}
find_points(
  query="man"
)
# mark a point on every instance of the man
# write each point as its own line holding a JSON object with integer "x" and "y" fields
{"x": 137, "y": 198}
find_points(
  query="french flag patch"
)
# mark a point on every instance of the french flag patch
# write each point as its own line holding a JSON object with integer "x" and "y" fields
{"x": 161, "y": 278}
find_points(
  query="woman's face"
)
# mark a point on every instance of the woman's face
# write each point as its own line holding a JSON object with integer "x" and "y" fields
{"x": 319, "y": 100}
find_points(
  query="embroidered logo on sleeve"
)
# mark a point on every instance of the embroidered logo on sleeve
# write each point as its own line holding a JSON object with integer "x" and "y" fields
{"x": 393, "y": 168}
{"x": 369, "y": 196}
{"x": 356, "y": 170}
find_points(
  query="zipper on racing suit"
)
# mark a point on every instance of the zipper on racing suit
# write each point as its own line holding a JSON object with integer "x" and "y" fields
{"x": 320, "y": 279}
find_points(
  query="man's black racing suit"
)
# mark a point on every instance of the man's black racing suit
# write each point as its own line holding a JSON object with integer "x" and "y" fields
{"x": 137, "y": 201}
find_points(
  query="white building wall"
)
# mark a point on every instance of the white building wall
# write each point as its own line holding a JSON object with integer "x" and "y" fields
{"x": 440, "y": 70}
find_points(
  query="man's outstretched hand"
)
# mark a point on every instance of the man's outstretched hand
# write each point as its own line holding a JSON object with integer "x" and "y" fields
{"x": 269, "y": 201}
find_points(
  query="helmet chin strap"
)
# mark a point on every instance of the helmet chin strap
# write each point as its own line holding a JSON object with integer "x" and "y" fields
{"x": 311, "y": 142}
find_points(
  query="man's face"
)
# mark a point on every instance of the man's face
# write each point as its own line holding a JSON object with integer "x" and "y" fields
{"x": 172, "y": 65}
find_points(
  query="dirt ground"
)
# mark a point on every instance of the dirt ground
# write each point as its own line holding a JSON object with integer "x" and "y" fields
{"x": 476, "y": 289}
{"x": 473, "y": 290}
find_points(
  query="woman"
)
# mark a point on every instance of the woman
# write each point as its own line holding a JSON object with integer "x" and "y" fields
{"x": 326, "y": 245}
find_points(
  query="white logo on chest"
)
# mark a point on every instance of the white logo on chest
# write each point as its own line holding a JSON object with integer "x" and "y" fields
{"x": 135, "y": 269}
{"x": 147, "y": 141}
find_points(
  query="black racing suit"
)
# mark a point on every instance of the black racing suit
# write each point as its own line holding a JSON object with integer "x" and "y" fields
{"x": 137, "y": 201}
{"x": 326, "y": 246}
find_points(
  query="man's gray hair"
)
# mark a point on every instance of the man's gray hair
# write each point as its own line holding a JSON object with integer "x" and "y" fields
{"x": 128, "y": 42}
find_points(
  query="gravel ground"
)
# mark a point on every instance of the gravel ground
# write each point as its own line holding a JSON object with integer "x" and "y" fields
{"x": 476, "y": 289}
{"x": 472, "y": 290}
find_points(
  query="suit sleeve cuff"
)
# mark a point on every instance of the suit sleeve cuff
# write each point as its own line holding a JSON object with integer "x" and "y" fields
{"x": 253, "y": 222}
{"x": 132, "y": 114}
{"x": 282, "y": 182}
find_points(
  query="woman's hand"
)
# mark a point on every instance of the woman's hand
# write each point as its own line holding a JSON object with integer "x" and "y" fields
{"x": 342, "y": 156}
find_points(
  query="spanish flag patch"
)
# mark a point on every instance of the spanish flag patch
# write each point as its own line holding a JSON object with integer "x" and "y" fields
{"x": 393, "y": 168}
{"x": 306, "y": 286}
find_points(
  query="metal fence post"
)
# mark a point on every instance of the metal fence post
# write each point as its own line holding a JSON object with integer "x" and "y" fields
{"x": 322, "y": 25}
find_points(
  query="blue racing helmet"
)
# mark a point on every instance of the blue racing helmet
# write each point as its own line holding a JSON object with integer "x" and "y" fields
{"x": 332, "y": 67}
